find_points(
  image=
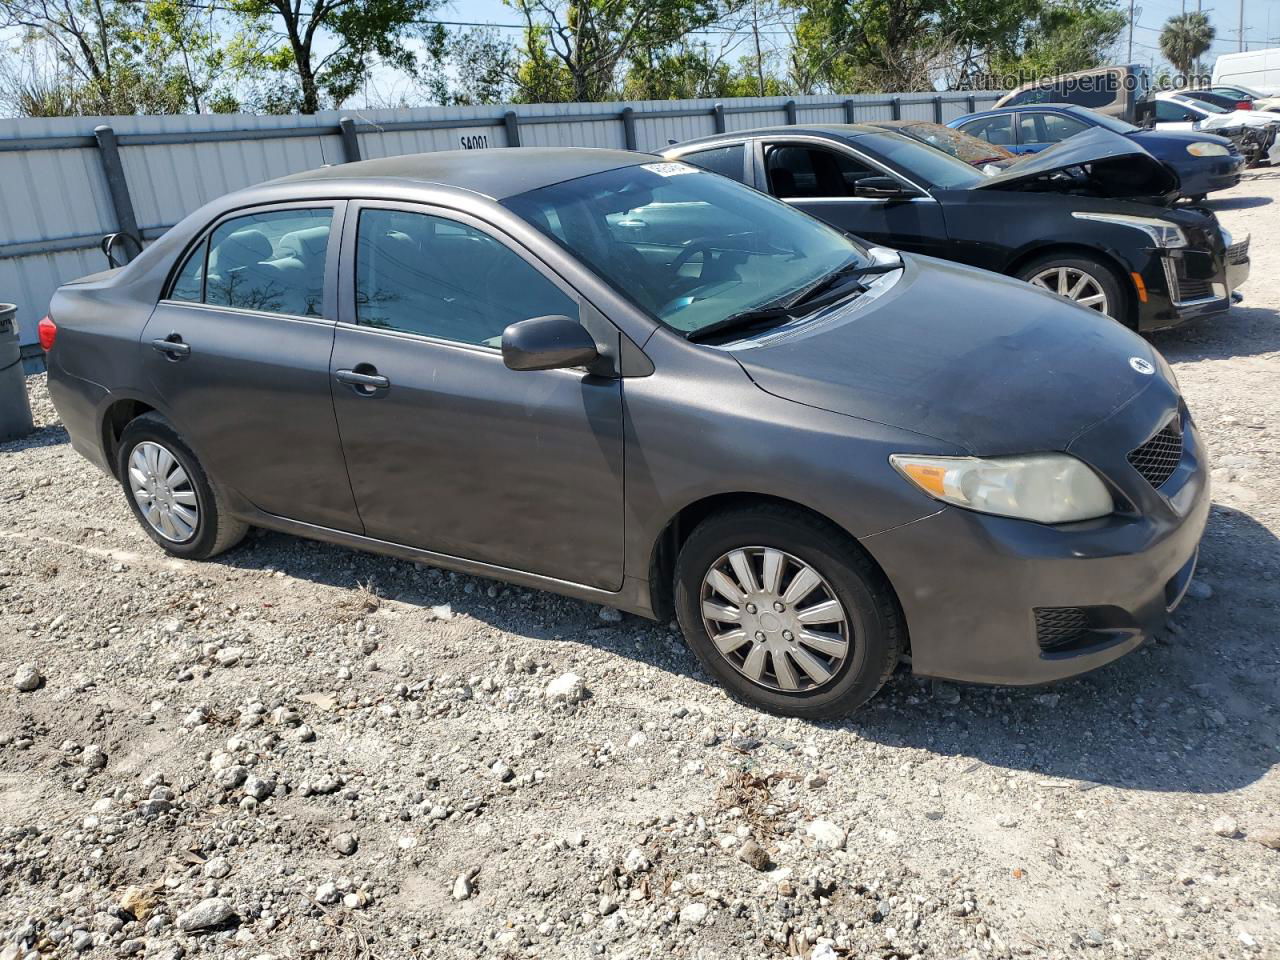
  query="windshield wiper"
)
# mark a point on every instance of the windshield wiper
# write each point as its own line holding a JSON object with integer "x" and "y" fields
{"x": 833, "y": 281}
{"x": 774, "y": 313}
{"x": 761, "y": 318}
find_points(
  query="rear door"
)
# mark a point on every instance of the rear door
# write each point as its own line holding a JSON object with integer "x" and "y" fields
{"x": 834, "y": 184}
{"x": 448, "y": 449}
{"x": 238, "y": 350}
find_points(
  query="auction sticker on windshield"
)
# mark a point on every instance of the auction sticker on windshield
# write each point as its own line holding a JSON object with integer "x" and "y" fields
{"x": 669, "y": 168}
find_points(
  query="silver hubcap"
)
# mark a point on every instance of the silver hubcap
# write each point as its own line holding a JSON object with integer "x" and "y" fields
{"x": 775, "y": 619}
{"x": 163, "y": 492}
{"x": 1075, "y": 285}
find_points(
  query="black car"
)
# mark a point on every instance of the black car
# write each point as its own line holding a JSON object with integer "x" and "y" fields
{"x": 633, "y": 382}
{"x": 1084, "y": 219}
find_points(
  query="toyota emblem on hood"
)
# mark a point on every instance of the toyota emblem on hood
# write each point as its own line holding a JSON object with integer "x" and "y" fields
{"x": 1142, "y": 366}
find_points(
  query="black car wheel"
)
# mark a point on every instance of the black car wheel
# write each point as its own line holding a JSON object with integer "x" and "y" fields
{"x": 1086, "y": 282}
{"x": 170, "y": 494}
{"x": 786, "y": 613}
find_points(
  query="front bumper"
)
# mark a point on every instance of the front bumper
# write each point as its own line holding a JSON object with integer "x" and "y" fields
{"x": 1188, "y": 283}
{"x": 987, "y": 599}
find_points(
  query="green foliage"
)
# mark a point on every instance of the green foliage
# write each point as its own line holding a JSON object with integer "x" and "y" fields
{"x": 1184, "y": 39}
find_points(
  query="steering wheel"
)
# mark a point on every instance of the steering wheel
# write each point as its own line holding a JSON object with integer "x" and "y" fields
{"x": 703, "y": 245}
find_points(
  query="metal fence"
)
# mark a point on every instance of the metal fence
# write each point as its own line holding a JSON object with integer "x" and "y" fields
{"x": 67, "y": 181}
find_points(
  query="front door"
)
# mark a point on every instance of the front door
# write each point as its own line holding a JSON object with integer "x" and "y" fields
{"x": 448, "y": 450}
{"x": 238, "y": 352}
{"x": 831, "y": 184}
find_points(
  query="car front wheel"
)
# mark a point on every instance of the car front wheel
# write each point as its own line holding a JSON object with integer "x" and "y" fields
{"x": 1082, "y": 281}
{"x": 786, "y": 613}
{"x": 170, "y": 494}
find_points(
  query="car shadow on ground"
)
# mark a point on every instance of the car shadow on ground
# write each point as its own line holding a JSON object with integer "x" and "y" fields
{"x": 1192, "y": 711}
{"x": 1241, "y": 331}
{"x": 1235, "y": 203}
{"x": 46, "y": 436}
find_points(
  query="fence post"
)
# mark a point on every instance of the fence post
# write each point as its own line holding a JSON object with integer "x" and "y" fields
{"x": 937, "y": 108}
{"x": 850, "y": 112}
{"x": 513, "y": 128}
{"x": 972, "y": 103}
{"x": 790, "y": 107}
{"x": 629, "y": 127}
{"x": 895, "y": 105}
{"x": 350, "y": 142}
{"x": 117, "y": 186}
{"x": 717, "y": 116}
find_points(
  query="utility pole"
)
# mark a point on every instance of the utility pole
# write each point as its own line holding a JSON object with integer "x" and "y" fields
{"x": 1241, "y": 47}
{"x": 1129, "y": 59}
{"x": 755, "y": 31}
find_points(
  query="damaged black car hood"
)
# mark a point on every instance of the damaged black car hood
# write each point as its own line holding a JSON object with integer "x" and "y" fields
{"x": 1096, "y": 163}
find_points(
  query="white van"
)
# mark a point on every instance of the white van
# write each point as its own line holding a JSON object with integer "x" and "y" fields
{"x": 1259, "y": 69}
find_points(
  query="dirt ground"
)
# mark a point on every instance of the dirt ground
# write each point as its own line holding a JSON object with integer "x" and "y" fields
{"x": 297, "y": 750}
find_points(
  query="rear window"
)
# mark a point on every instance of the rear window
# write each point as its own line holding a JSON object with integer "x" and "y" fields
{"x": 728, "y": 161}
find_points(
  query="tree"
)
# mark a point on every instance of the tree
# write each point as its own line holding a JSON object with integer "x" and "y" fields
{"x": 1185, "y": 37}
{"x": 355, "y": 35}
{"x": 573, "y": 50}
{"x": 1062, "y": 38}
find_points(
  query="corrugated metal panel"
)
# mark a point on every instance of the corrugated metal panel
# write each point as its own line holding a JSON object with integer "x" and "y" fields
{"x": 51, "y": 195}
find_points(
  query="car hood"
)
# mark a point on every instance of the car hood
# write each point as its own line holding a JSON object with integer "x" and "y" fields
{"x": 1238, "y": 118}
{"x": 979, "y": 361}
{"x": 1105, "y": 164}
{"x": 1178, "y": 136}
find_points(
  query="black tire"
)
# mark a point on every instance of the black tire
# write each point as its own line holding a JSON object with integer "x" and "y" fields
{"x": 877, "y": 633}
{"x": 1118, "y": 305}
{"x": 216, "y": 530}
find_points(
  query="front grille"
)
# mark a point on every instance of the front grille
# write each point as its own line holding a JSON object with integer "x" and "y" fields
{"x": 1193, "y": 290}
{"x": 1159, "y": 457}
{"x": 1058, "y": 627}
{"x": 1238, "y": 252}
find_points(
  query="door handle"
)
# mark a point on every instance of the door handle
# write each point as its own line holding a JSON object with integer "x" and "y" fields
{"x": 172, "y": 347}
{"x": 365, "y": 382}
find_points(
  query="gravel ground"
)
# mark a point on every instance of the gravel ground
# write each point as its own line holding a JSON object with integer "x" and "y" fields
{"x": 297, "y": 750}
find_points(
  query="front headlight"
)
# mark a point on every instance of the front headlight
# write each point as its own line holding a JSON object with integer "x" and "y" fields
{"x": 1044, "y": 487}
{"x": 1162, "y": 232}
{"x": 1205, "y": 149}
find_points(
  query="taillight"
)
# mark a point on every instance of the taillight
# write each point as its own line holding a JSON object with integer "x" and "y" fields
{"x": 47, "y": 331}
{"x": 1244, "y": 105}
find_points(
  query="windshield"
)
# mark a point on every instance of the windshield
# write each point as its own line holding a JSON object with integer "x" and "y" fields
{"x": 968, "y": 148}
{"x": 689, "y": 247}
{"x": 1111, "y": 123}
{"x": 923, "y": 162}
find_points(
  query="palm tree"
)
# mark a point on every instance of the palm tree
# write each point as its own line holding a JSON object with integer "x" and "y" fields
{"x": 1184, "y": 38}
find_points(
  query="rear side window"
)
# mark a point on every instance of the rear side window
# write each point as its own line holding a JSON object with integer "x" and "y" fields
{"x": 270, "y": 262}
{"x": 997, "y": 129}
{"x": 424, "y": 274}
{"x": 729, "y": 161}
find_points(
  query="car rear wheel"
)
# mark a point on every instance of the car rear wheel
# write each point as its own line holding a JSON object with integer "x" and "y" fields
{"x": 785, "y": 612}
{"x": 170, "y": 494}
{"x": 1082, "y": 281}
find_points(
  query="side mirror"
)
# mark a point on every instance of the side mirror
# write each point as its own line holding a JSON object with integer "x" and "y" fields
{"x": 547, "y": 343}
{"x": 878, "y": 187}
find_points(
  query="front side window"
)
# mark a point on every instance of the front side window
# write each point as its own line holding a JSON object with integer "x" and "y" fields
{"x": 271, "y": 262}
{"x": 423, "y": 274}
{"x": 729, "y": 161}
{"x": 687, "y": 247}
{"x": 1048, "y": 127}
{"x": 800, "y": 172}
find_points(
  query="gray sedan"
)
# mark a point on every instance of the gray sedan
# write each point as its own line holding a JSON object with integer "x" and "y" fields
{"x": 645, "y": 385}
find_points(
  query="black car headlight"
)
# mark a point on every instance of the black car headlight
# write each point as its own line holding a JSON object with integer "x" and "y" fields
{"x": 1162, "y": 232}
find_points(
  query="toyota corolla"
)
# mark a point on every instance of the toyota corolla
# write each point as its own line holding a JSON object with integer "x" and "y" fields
{"x": 644, "y": 385}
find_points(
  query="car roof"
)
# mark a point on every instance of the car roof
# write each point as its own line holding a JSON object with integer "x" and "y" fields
{"x": 495, "y": 173}
{"x": 1040, "y": 107}
{"x": 844, "y": 131}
